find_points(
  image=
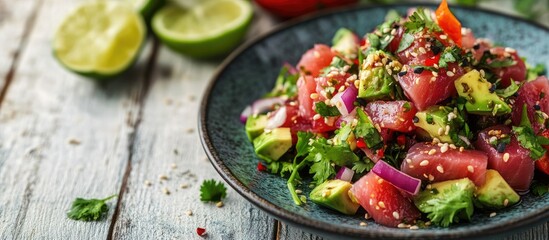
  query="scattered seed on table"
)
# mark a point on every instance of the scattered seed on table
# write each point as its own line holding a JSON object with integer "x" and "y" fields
{"x": 74, "y": 142}
{"x": 189, "y": 212}
{"x": 219, "y": 204}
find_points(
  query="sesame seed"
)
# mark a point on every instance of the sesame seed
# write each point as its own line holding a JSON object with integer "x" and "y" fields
{"x": 314, "y": 95}
{"x": 443, "y": 37}
{"x": 444, "y": 148}
{"x": 505, "y": 202}
{"x": 429, "y": 186}
{"x": 184, "y": 185}
{"x": 165, "y": 191}
{"x": 461, "y": 149}
{"x": 380, "y": 181}
{"x": 493, "y": 214}
{"x": 450, "y": 73}
{"x": 428, "y": 223}
{"x": 447, "y": 132}
{"x": 403, "y": 225}
{"x": 440, "y": 131}
{"x": 298, "y": 191}
{"x": 147, "y": 183}
{"x": 470, "y": 169}
{"x": 363, "y": 224}
{"x": 422, "y": 50}
{"x": 316, "y": 116}
{"x": 440, "y": 169}
{"x": 189, "y": 213}
{"x": 162, "y": 177}
{"x": 396, "y": 215}
{"x": 432, "y": 151}
{"x": 219, "y": 204}
{"x": 431, "y": 177}
{"x": 414, "y": 227}
{"x": 367, "y": 216}
{"x": 386, "y": 30}
{"x": 506, "y": 157}
{"x": 381, "y": 204}
{"x": 424, "y": 163}
{"x": 393, "y": 32}
{"x": 408, "y": 160}
{"x": 371, "y": 202}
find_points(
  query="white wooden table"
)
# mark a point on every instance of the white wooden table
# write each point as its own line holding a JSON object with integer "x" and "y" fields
{"x": 62, "y": 137}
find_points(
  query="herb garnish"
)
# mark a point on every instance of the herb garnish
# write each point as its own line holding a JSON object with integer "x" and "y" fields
{"x": 365, "y": 129}
{"x": 212, "y": 191}
{"x": 89, "y": 209}
{"x": 325, "y": 110}
{"x": 420, "y": 20}
{"x": 526, "y": 136}
{"x": 285, "y": 85}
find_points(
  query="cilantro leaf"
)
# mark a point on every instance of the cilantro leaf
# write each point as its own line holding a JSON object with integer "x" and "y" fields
{"x": 325, "y": 110}
{"x": 363, "y": 166}
{"x": 539, "y": 188}
{"x": 302, "y": 145}
{"x": 212, "y": 191}
{"x": 420, "y": 20}
{"x": 509, "y": 91}
{"x": 526, "y": 136}
{"x": 366, "y": 130}
{"x": 406, "y": 42}
{"x": 322, "y": 169}
{"x": 452, "y": 54}
{"x": 89, "y": 209}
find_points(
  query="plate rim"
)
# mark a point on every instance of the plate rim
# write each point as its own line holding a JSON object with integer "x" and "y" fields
{"x": 313, "y": 225}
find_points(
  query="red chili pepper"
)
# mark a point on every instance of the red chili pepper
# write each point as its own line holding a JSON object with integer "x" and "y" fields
{"x": 401, "y": 139}
{"x": 201, "y": 231}
{"x": 432, "y": 60}
{"x": 261, "y": 167}
{"x": 380, "y": 153}
{"x": 360, "y": 143}
{"x": 448, "y": 22}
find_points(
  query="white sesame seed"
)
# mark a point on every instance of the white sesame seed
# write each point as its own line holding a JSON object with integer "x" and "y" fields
{"x": 444, "y": 148}
{"x": 189, "y": 213}
{"x": 371, "y": 200}
{"x": 431, "y": 177}
{"x": 506, "y": 157}
{"x": 314, "y": 95}
{"x": 367, "y": 216}
{"x": 429, "y": 186}
{"x": 316, "y": 116}
{"x": 165, "y": 191}
{"x": 298, "y": 191}
{"x": 414, "y": 227}
{"x": 381, "y": 204}
{"x": 432, "y": 151}
{"x": 408, "y": 160}
{"x": 447, "y": 132}
{"x": 396, "y": 215}
{"x": 428, "y": 223}
{"x": 422, "y": 50}
{"x": 219, "y": 204}
{"x": 147, "y": 183}
{"x": 162, "y": 177}
{"x": 505, "y": 202}
{"x": 380, "y": 181}
{"x": 450, "y": 74}
{"x": 402, "y": 225}
{"x": 424, "y": 163}
{"x": 470, "y": 169}
{"x": 173, "y": 166}
{"x": 440, "y": 169}
{"x": 443, "y": 37}
{"x": 493, "y": 214}
{"x": 184, "y": 185}
{"x": 363, "y": 224}
{"x": 440, "y": 131}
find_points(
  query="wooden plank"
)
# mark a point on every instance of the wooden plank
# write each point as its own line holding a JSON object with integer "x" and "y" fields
{"x": 61, "y": 137}
{"x": 167, "y": 144}
{"x": 16, "y": 20}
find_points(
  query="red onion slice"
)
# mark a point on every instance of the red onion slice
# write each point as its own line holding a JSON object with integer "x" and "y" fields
{"x": 397, "y": 178}
{"x": 344, "y": 101}
{"x": 266, "y": 104}
{"x": 277, "y": 119}
{"x": 345, "y": 174}
{"x": 245, "y": 114}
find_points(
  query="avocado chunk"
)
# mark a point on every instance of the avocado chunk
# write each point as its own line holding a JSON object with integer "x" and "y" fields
{"x": 439, "y": 122}
{"x": 345, "y": 42}
{"x": 476, "y": 90}
{"x": 375, "y": 76}
{"x": 447, "y": 202}
{"x": 255, "y": 125}
{"x": 271, "y": 145}
{"x": 495, "y": 193}
{"x": 334, "y": 194}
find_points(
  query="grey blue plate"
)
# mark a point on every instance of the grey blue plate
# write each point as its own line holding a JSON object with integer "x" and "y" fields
{"x": 251, "y": 71}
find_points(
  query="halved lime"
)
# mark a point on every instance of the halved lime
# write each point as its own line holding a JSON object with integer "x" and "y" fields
{"x": 100, "y": 39}
{"x": 208, "y": 29}
{"x": 147, "y": 7}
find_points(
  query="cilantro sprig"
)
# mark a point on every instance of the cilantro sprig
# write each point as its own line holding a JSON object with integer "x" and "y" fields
{"x": 212, "y": 191}
{"x": 526, "y": 136}
{"x": 420, "y": 20}
{"x": 89, "y": 209}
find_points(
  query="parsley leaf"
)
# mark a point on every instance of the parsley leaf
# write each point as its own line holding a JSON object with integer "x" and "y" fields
{"x": 212, "y": 191}
{"x": 365, "y": 129}
{"x": 325, "y": 110}
{"x": 420, "y": 20}
{"x": 89, "y": 209}
{"x": 526, "y": 136}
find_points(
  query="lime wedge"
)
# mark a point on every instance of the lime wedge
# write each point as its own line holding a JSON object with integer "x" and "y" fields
{"x": 208, "y": 29}
{"x": 100, "y": 39}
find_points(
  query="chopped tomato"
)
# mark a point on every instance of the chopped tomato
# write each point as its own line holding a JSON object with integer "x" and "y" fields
{"x": 383, "y": 201}
{"x": 448, "y": 22}
{"x": 315, "y": 59}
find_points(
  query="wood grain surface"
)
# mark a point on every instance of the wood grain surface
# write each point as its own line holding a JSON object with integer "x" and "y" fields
{"x": 63, "y": 136}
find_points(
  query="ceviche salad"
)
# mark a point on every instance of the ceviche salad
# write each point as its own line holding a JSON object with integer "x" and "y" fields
{"x": 416, "y": 122}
